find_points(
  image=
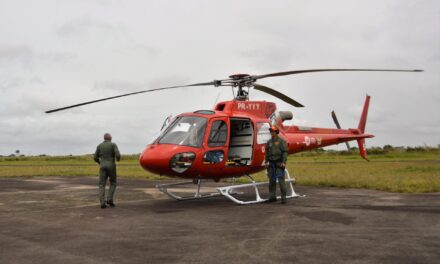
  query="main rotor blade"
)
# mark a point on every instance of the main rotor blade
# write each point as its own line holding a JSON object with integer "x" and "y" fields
{"x": 277, "y": 94}
{"x": 324, "y": 70}
{"x": 122, "y": 95}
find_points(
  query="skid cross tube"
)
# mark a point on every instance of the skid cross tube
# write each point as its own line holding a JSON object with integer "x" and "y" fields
{"x": 227, "y": 190}
{"x": 197, "y": 195}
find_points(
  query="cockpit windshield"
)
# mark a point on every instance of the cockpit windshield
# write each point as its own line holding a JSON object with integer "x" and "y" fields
{"x": 185, "y": 131}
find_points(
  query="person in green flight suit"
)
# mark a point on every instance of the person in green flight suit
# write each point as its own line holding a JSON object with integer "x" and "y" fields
{"x": 276, "y": 157}
{"x": 105, "y": 155}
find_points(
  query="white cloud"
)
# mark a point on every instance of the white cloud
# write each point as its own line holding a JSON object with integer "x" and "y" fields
{"x": 14, "y": 53}
{"x": 57, "y": 53}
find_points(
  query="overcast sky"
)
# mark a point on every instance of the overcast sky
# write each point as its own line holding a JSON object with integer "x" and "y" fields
{"x": 57, "y": 53}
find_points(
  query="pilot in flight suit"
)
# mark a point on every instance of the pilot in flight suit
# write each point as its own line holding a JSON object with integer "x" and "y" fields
{"x": 276, "y": 157}
{"x": 105, "y": 156}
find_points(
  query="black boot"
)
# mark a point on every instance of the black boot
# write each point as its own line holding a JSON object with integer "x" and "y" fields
{"x": 110, "y": 203}
{"x": 271, "y": 200}
{"x": 103, "y": 206}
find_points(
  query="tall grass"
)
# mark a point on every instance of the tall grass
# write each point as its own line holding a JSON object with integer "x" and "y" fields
{"x": 394, "y": 171}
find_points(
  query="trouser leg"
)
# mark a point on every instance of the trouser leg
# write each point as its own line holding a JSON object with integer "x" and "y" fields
{"x": 272, "y": 187}
{"x": 102, "y": 181}
{"x": 112, "y": 189}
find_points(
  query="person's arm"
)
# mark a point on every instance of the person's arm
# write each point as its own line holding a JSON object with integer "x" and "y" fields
{"x": 284, "y": 150}
{"x": 266, "y": 157}
{"x": 117, "y": 154}
{"x": 96, "y": 156}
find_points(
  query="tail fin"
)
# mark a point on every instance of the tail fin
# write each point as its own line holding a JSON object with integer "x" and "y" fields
{"x": 362, "y": 150}
{"x": 361, "y": 127}
{"x": 363, "y": 120}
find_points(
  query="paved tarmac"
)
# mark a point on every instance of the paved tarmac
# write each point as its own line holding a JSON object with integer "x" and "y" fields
{"x": 58, "y": 220}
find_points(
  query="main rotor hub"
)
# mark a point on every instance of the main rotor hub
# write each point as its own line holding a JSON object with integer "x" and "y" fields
{"x": 241, "y": 80}
{"x": 238, "y": 76}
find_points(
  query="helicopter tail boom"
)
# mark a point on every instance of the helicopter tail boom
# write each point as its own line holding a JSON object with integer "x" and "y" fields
{"x": 308, "y": 138}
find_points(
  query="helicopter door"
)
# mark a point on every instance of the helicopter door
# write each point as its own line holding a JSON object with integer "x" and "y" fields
{"x": 217, "y": 142}
{"x": 241, "y": 142}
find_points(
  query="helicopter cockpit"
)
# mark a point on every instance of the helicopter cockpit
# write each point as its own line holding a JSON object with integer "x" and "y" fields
{"x": 185, "y": 131}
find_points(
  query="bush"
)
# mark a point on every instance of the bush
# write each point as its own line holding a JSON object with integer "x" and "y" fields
{"x": 377, "y": 151}
{"x": 388, "y": 148}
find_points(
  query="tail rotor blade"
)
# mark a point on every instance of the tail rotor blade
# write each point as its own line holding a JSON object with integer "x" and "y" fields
{"x": 335, "y": 119}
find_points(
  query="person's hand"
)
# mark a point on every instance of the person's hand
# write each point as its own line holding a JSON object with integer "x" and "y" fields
{"x": 266, "y": 164}
{"x": 283, "y": 165}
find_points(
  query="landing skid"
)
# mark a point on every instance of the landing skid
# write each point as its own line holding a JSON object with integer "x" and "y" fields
{"x": 227, "y": 191}
{"x": 197, "y": 195}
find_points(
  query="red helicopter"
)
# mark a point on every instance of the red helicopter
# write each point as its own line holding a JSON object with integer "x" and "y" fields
{"x": 229, "y": 141}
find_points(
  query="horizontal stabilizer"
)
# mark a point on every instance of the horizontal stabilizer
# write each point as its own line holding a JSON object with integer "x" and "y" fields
{"x": 355, "y": 137}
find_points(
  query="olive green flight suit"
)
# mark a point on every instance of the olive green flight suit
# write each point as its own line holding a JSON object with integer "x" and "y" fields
{"x": 276, "y": 154}
{"x": 105, "y": 156}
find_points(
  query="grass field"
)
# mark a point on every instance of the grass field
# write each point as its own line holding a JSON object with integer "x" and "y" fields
{"x": 395, "y": 171}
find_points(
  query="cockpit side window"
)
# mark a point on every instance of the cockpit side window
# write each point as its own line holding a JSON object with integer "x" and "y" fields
{"x": 219, "y": 134}
{"x": 263, "y": 133}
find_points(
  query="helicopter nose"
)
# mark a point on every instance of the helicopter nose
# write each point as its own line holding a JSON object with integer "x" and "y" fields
{"x": 155, "y": 159}
{"x": 165, "y": 159}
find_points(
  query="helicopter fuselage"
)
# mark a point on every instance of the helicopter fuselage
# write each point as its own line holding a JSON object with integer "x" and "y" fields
{"x": 230, "y": 140}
